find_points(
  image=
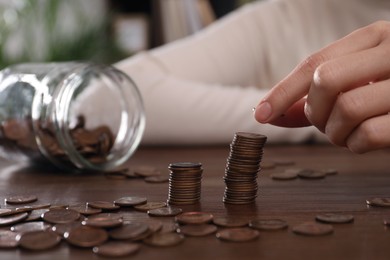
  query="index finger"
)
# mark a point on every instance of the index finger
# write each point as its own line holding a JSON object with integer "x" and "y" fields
{"x": 296, "y": 85}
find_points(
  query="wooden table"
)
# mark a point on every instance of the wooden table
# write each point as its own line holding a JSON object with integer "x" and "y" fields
{"x": 360, "y": 177}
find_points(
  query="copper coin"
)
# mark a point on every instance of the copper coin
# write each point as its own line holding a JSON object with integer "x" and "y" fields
{"x": 30, "y": 226}
{"x": 230, "y": 222}
{"x": 104, "y": 220}
{"x": 8, "y": 239}
{"x": 330, "y": 171}
{"x": 150, "y": 205}
{"x": 39, "y": 240}
{"x": 164, "y": 239}
{"x": 237, "y": 234}
{"x": 84, "y": 236}
{"x": 116, "y": 249}
{"x": 335, "y": 218}
{"x": 379, "y": 202}
{"x": 104, "y": 205}
{"x": 36, "y": 214}
{"x": 128, "y": 231}
{"x": 165, "y": 212}
{"x": 194, "y": 218}
{"x": 62, "y": 228}
{"x": 197, "y": 230}
{"x": 130, "y": 201}
{"x": 12, "y": 219}
{"x": 21, "y": 199}
{"x": 56, "y": 216}
{"x": 288, "y": 174}
{"x": 311, "y": 174}
{"x": 146, "y": 171}
{"x": 268, "y": 224}
{"x": 313, "y": 229}
{"x": 85, "y": 209}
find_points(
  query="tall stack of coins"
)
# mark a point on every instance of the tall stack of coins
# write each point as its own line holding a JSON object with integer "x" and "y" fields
{"x": 243, "y": 165}
{"x": 184, "y": 183}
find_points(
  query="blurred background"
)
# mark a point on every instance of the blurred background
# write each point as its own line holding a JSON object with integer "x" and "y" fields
{"x": 103, "y": 31}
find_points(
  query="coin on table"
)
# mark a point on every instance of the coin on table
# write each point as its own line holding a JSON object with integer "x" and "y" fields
{"x": 157, "y": 179}
{"x": 164, "y": 239}
{"x": 311, "y": 174}
{"x": 36, "y": 214}
{"x": 230, "y": 222}
{"x": 165, "y": 212}
{"x": 330, "y": 171}
{"x": 85, "y": 209}
{"x": 197, "y": 230}
{"x": 150, "y": 205}
{"x": 130, "y": 201}
{"x": 286, "y": 175}
{"x": 268, "y": 224}
{"x": 128, "y": 231}
{"x": 313, "y": 229}
{"x": 195, "y": 217}
{"x": 8, "y": 239}
{"x": 335, "y": 218}
{"x": 104, "y": 205}
{"x": 21, "y": 199}
{"x": 85, "y": 236}
{"x": 237, "y": 234}
{"x": 62, "y": 228}
{"x": 12, "y": 219}
{"x": 116, "y": 249}
{"x": 146, "y": 171}
{"x": 56, "y": 216}
{"x": 379, "y": 202}
{"x": 104, "y": 220}
{"x": 39, "y": 240}
{"x": 30, "y": 227}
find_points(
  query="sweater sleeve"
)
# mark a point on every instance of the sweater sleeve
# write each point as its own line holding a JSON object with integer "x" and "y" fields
{"x": 201, "y": 89}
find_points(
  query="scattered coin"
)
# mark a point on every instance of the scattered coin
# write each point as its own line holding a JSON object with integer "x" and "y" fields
{"x": 335, "y": 218}
{"x": 56, "y": 216}
{"x": 379, "y": 202}
{"x": 128, "y": 231}
{"x": 103, "y": 220}
{"x": 30, "y": 226}
{"x": 103, "y": 205}
{"x": 150, "y": 205}
{"x": 85, "y": 209}
{"x": 311, "y": 174}
{"x": 36, "y": 214}
{"x": 8, "y": 239}
{"x": 12, "y": 219}
{"x": 197, "y": 230}
{"x": 62, "y": 228}
{"x": 288, "y": 174}
{"x": 85, "y": 236}
{"x": 230, "y": 222}
{"x": 330, "y": 171}
{"x": 38, "y": 240}
{"x": 21, "y": 199}
{"x": 165, "y": 212}
{"x": 116, "y": 249}
{"x": 313, "y": 229}
{"x": 268, "y": 224}
{"x": 164, "y": 239}
{"x": 130, "y": 201}
{"x": 146, "y": 171}
{"x": 237, "y": 234}
{"x": 194, "y": 218}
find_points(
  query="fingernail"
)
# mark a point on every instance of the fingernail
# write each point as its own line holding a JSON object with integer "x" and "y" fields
{"x": 263, "y": 112}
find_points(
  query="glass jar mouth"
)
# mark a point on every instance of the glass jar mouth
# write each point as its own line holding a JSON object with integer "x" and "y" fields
{"x": 128, "y": 134}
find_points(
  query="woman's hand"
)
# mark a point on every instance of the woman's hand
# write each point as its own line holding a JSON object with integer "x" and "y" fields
{"x": 343, "y": 90}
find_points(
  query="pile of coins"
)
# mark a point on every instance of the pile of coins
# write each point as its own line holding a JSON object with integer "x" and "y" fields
{"x": 242, "y": 168}
{"x": 18, "y": 135}
{"x": 184, "y": 183}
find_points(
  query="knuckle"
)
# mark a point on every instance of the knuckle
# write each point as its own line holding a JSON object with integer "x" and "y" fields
{"x": 325, "y": 78}
{"x": 368, "y": 137}
{"x": 311, "y": 63}
{"x": 347, "y": 107}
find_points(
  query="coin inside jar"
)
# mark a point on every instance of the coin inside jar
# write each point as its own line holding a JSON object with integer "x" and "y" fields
{"x": 237, "y": 234}
{"x": 116, "y": 249}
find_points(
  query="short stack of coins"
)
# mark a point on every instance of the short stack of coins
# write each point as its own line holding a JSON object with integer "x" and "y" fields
{"x": 184, "y": 183}
{"x": 242, "y": 168}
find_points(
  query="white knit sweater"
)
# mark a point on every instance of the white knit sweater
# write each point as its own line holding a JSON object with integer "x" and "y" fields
{"x": 200, "y": 90}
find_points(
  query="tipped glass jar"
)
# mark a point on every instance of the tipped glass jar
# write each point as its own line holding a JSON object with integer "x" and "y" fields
{"x": 78, "y": 116}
